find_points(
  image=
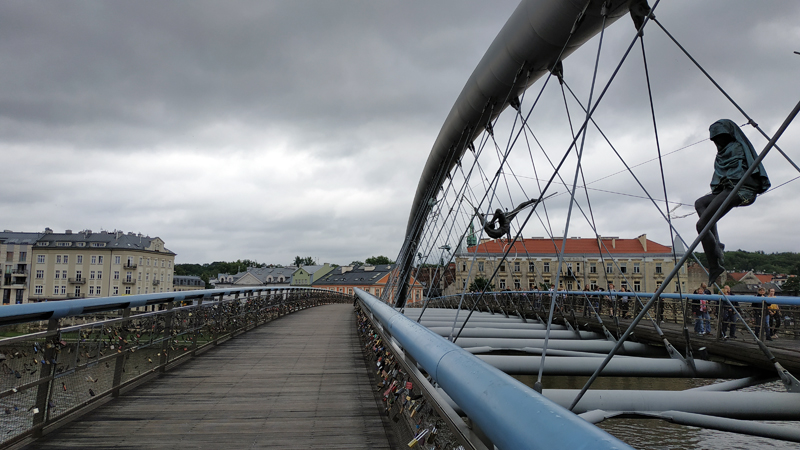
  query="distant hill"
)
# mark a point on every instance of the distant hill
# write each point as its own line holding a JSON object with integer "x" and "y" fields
{"x": 758, "y": 261}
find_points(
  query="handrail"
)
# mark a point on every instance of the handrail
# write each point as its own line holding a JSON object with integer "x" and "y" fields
{"x": 779, "y": 300}
{"x": 29, "y": 312}
{"x": 511, "y": 414}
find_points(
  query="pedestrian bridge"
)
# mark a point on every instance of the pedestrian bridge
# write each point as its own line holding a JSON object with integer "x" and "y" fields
{"x": 299, "y": 368}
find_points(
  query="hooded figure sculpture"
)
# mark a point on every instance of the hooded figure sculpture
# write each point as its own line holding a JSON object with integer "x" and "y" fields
{"x": 735, "y": 154}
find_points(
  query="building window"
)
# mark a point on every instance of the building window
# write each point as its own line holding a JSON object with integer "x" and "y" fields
{"x": 658, "y": 284}
{"x": 140, "y": 260}
{"x": 677, "y": 287}
{"x": 63, "y": 244}
{"x": 480, "y": 266}
{"x": 516, "y": 266}
{"x": 78, "y": 274}
{"x": 162, "y": 263}
{"x": 569, "y": 285}
{"x": 63, "y": 290}
{"x": 531, "y": 266}
{"x": 100, "y": 259}
{"x": 517, "y": 284}
{"x": 463, "y": 267}
{"x": 91, "y": 275}
{"x": 116, "y": 290}
{"x": 637, "y": 286}
{"x": 80, "y": 259}
{"x": 38, "y": 290}
{"x": 40, "y": 274}
{"x": 66, "y": 259}
{"x": 502, "y": 267}
{"x": 593, "y": 285}
{"x": 94, "y": 259}
{"x": 99, "y": 274}
{"x": 636, "y": 268}
{"x": 502, "y": 283}
{"x": 9, "y": 256}
{"x": 658, "y": 267}
{"x": 546, "y": 267}
{"x": 55, "y": 290}
{"x": 127, "y": 290}
{"x": 91, "y": 290}
{"x": 531, "y": 285}
{"x": 64, "y": 274}
{"x": 23, "y": 256}
{"x": 609, "y": 268}
{"x": 127, "y": 276}
{"x": 40, "y": 259}
{"x": 624, "y": 284}
{"x": 577, "y": 267}
{"x": 117, "y": 259}
{"x": 58, "y": 274}
{"x": 97, "y": 290}
{"x": 116, "y": 274}
{"x": 58, "y": 259}
{"x": 623, "y": 268}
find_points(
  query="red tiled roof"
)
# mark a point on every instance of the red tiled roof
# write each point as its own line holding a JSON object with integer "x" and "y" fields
{"x": 574, "y": 246}
{"x": 762, "y": 277}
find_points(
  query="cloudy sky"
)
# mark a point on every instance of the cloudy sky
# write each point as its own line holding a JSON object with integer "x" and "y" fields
{"x": 270, "y": 129}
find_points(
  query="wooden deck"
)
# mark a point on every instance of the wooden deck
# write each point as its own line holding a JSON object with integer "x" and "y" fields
{"x": 742, "y": 350}
{"x": 297, "y": 382}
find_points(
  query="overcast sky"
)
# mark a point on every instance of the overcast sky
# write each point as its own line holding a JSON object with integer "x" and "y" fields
{"x": 270, "y": 129}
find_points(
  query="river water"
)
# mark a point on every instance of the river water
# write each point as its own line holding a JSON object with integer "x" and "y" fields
{"x": 647, "y": 434}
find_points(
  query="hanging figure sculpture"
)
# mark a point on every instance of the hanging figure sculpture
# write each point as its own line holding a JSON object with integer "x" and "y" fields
{"x": 735, "y": 154}
{"x": 501, "y": 221}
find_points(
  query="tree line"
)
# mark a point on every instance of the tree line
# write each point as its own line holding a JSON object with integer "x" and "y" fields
{"x": 758, "y": 261}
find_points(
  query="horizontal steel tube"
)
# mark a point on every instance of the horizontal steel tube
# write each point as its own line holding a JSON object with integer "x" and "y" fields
{"x": 735, "y": 405}
{"x": 594, "y": 346}
{"x": 516, "y": 334}
{"x": 628, "y": 367}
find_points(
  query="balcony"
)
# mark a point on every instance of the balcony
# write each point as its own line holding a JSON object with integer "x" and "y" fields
{"x": 130, "y": 265}
{"x": 156, "y": 282}
{"x": 77, "y": 280}
{"x": 128, "y": 281}
{"x": 20, "y": 272}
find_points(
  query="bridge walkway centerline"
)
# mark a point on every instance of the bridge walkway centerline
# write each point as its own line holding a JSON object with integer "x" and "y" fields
{"x": 297, "y": 382}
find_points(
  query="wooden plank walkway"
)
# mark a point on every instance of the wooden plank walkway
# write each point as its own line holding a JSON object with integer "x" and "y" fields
{"x": 299, "y": 382}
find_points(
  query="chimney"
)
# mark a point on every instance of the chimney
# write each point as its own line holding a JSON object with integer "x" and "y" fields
{"x": 67, "y": 231}
{"x": 643, "y": 240}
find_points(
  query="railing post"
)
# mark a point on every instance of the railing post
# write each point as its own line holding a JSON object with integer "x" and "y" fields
{"x": 719, "y": 319}
{"x": 46, "y": 372}
{"x": 197, "y": 319}
{"x": 167, "y": 337}
{"x": 119, "y": 363}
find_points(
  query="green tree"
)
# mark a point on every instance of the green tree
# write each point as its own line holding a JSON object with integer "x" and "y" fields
{"x": 378, "y": 260}
{"x": 479, "y": 283}
{"x": 356, "y": 263}
{"x": 205, "y": 279}
{"x": 791, "y": 287}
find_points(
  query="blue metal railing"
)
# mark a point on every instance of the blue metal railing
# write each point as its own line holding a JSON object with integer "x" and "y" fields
{"x": 512, "y": 415}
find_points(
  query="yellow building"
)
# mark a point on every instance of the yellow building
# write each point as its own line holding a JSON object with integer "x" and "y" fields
{"x": 638, "y": 264}
{"x": 85, "y": 264}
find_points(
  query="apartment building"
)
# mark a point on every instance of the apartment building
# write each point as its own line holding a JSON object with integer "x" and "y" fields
{"x": 15, "y": 254}
{"x": 86, "y": 264}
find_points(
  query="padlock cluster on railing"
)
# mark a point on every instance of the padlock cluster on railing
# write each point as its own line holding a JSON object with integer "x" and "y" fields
{"x": 413, "y": 419}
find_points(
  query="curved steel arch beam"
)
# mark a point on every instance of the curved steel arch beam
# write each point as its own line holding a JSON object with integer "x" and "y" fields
{"x": 527, "y": 46}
